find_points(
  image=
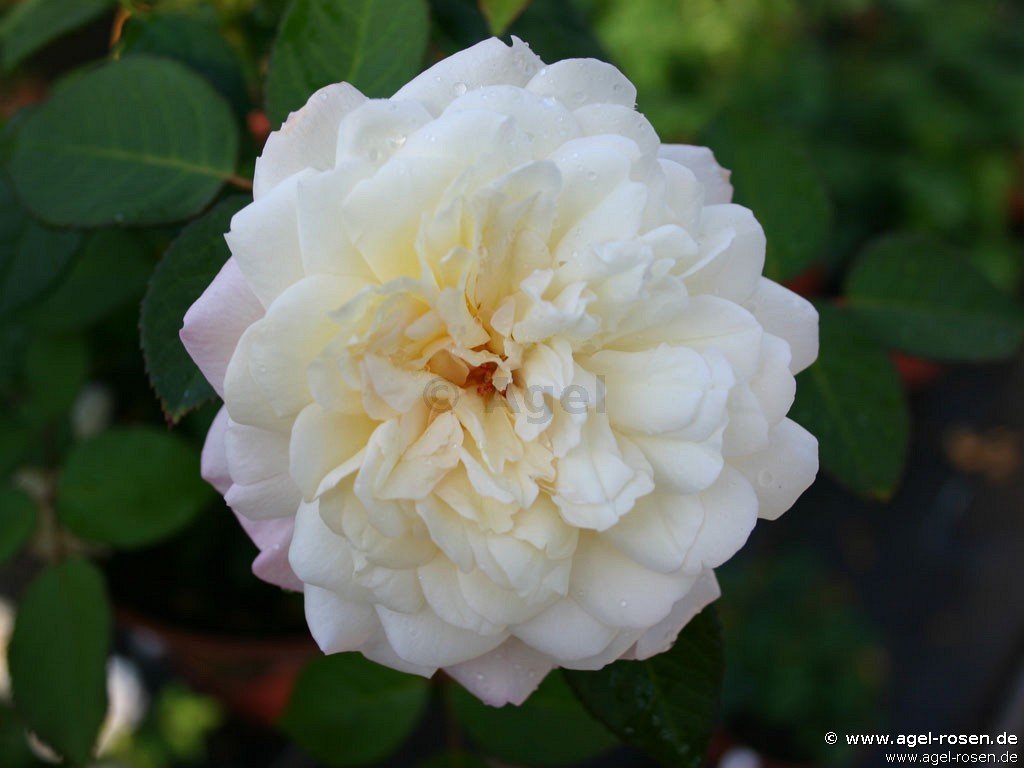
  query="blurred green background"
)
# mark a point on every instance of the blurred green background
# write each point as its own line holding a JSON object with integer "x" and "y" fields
{"x": 880, "y": 144}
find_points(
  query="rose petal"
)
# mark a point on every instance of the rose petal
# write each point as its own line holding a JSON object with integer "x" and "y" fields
{"x": 273, "y": 538}
{"x": 216, "y": 321}
{"x": 578, "y": 82}
{"x": 490, "y": 62}
{"x": 701, "y": 160}
{"x": 506, "y": 675}
{"x": 784, "y": 470}
{"x": 789, "y": 316}
{"x": 214, "y": 460}
{"x": 662, "y": 635}
{"x": 307, "y": 139}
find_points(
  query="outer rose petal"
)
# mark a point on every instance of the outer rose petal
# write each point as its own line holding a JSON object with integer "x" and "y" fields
{"x": 307, "y": 139}
{"x": 490, "y": 62}
{"x": 709, "y": 173}
{"x": 789, "y": 316}
{"x": 506, "y": 675}
{"x": 784, "y": 470}
{"x": 271, "y": 536}
{"x": 578, "y": 82}
{"x": 661, "y": 636}
{"x": 214, "y": 324}
{"x": 214, "y": 462}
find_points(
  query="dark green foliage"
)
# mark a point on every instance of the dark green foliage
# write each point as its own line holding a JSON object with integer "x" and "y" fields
{"x": 665, "y": 705}
{"x": 58, "y": 657}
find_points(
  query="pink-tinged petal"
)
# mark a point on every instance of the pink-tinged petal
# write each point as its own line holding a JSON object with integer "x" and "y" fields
{"x": 701, "y": 160}
{"x": 308, "y": 138}
{"x": 214, "y": 461}
{"x": 662, "y": 635}
{"x": 214, "y": 324}
{"x": 506, "y": 675}
{"x": 273, "y": 537}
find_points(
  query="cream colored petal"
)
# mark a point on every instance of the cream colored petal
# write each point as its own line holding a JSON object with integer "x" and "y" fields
{"x": 307, "y": 139}
{"x": 490, "y": 62}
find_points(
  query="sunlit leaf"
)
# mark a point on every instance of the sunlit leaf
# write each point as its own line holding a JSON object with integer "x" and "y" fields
{"x": 376, "y": 45}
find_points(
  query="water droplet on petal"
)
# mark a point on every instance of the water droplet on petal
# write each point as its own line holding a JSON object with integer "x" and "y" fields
{"x": 765, "y": 478}
{"x": 623, "y": 603}
{"x": 460, "y": 89}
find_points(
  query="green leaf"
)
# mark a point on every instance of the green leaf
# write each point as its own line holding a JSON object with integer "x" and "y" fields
{"x": 501, "y": 13}
{"x": 195, "y": 40}
{"x": 17, "y": 521}
{"x": 852, "y": 401}
{"x": 665, "y": 705}
{"x": 31, "y": 24}
{"x": 110, "y": 271}
{"x": 13, "y": 745}
{"x": 137, "y": 141}
{"x": 32, "y": 257}
{"x": 187, "y": 268}
{"x": 376, "y": 45}
{"x": 454, "y": 760}
{"x": 918, "y": 295}
{"x": 557, "y": 30}
{"x": 346, "y": 710}
{"x": 58, "y": 657}
{"x": 56, "y": 369}
{"x": 774, "y": 176}
{"x": 550, "y": 728}
{"x": 130, "y": 487}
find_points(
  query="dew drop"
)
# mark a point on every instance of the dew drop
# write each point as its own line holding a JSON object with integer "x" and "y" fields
{"x": 765, "y": 478}
{"x": 374, "y": 155}
{"x": 579, "y": 97}
{"x": 591, "y": 175}
{"x": 460, "y": 89}
{"x": 479, "y": 676}
{"x": 623, "y": 603}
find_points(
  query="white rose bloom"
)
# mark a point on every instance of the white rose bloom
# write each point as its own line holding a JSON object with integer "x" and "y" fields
{"x": 503, "y": 382}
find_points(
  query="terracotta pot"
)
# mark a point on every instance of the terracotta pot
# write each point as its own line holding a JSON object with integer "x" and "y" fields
{"x": 253, "y": 677}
